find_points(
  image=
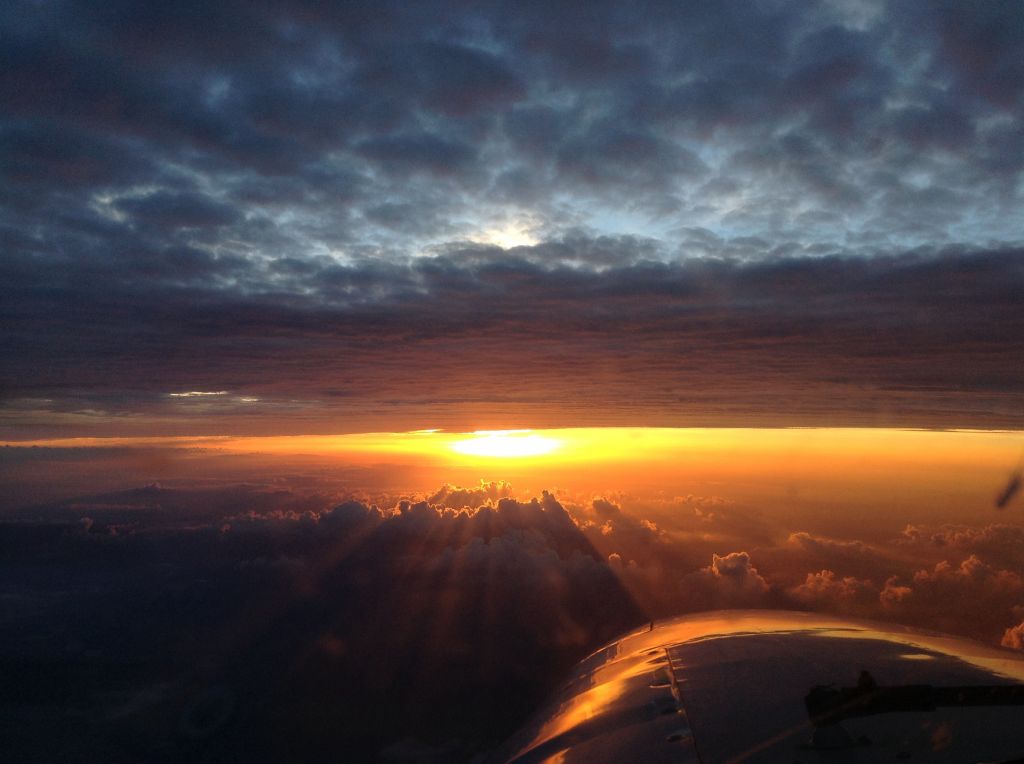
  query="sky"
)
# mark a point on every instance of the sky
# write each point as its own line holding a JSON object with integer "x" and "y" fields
{"x": 363, "y": 366}
{"x": 387, "y": 217}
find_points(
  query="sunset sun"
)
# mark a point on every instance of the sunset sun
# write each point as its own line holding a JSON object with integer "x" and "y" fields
{"x": 505, "y": 444}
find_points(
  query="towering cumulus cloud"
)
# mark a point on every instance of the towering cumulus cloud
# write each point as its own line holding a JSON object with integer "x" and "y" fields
{"x": 283, "y": 630}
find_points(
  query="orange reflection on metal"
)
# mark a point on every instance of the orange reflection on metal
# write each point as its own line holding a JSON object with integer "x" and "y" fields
{"x": 615, "y": 682}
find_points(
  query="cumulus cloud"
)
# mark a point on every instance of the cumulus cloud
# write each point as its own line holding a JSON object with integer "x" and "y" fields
{"x": 806, "y": 553}
{"x": 612, "y": 529}
{"x": 1000, "y": 544}
{"x": 910, "y": 534}
{"x": 456, "y": 498}
{"x": 609, "y": 519}
{"x": 1014, "y": 637}
{"x": 825, "y": 590}
{"x": 823, "y": 545}
{"x": 971, "y": 571}
{"x": 736, "y": 570}
{"x": 729, "y": 581}
{"x": 894, "y": 593}
{"x": 972, "y": 595}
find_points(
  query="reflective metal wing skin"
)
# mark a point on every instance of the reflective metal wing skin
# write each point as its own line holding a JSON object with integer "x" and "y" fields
{"x": 782, "y": 686}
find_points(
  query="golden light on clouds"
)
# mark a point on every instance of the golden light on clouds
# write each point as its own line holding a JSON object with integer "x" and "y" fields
{"x": 851, "y": 476}
{"x": 747, "y": 450}
{"x": 828, "y": 466}
{"x": 506, "y": 444}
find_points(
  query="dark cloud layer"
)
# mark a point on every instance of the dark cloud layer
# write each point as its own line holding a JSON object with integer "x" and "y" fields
{"x": 394, "y": 212}
{"x": 478, "y": 336}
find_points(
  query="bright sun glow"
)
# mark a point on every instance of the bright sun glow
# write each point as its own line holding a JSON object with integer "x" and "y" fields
{"x": 509, "y": 235}
{"x": 505, "y": 444}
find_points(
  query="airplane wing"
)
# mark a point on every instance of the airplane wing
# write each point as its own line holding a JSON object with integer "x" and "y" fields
{"x": 782, "y": 686}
